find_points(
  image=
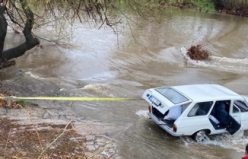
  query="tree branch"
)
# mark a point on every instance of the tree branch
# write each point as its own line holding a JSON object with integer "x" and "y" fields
{"x": 30, "y": 42}
{"x": 3, "y": 26}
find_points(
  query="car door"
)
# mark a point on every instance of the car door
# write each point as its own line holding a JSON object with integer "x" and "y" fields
{"x": 196, "y": 118}
{"x": 244, "y": 112}
{"x": 234, "y": 119}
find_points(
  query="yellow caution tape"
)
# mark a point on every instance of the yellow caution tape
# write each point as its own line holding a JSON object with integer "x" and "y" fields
{"x": 68, "y": 98}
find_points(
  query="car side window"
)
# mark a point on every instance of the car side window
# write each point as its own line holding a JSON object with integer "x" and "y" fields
{"x": 235, "y": 109}
{"x": 241, "y": 105}
{"x": 200, "y": 109}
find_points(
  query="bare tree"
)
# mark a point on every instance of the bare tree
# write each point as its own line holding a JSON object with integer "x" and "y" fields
{"x": 30, "y": 42}
{"x": 19, "y": 12}
{"x": 29, "y": 14}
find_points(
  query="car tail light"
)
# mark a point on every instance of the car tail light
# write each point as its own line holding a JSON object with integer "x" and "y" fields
{"x": 174, "y": 128}
{"x": 150, "y": 109}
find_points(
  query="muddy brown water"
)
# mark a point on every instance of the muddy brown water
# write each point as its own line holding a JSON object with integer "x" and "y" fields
{"x": 100, "y": 63}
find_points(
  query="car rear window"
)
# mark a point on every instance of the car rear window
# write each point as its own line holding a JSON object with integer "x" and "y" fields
{"x": 172, "y": 95}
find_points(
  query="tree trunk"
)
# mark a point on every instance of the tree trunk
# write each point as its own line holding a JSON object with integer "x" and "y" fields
{"x": 30, "y": 42}
{"x": 3, "y": 27}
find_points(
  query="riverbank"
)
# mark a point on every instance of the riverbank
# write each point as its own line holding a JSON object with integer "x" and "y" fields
{"x": 25, "y": 134}
{"x": 234, "y": 8}
{"x": 34, "y": 131}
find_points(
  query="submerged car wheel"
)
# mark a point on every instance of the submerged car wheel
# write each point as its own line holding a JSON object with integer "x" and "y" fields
{"x": 200, "y": 136}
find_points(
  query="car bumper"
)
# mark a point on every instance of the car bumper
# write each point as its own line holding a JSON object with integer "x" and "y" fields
{"x": 164, "y": 126}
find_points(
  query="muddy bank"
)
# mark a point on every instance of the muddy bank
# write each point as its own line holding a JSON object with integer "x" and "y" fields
{"x": 45, "y": 130}
{"x": 51, "y": 139}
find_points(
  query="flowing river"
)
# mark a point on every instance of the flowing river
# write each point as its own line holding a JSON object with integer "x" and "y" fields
{"x": 102, "y": 63}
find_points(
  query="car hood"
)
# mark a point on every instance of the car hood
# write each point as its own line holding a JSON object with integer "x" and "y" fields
{"x": 158, "y": 101}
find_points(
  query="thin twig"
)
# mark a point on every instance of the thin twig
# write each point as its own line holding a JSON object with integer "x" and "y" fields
{"x": 9, "y": 141}
{"x": 36, "y": 131}
{"x": 5, "y": 148}
{"x": 41, "y": 154}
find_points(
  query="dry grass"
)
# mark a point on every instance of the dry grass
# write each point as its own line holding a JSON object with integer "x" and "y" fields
{"x": 47, "y": 140}
{"x": 54, "y": 141}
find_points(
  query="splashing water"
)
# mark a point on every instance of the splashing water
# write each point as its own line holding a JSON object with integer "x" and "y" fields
{"x": 236, "y": 142}
{"x": 142, "y": 113}
{"x": 99, "y": 88}
{"x": 223, "y": 63}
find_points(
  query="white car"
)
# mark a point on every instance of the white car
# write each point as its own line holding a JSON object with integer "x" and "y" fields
{"x": 197, "y": 110}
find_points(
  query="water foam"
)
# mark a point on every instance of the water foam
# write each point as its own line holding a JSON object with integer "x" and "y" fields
{"x": 236, "y": 142}
{"x": 142, "y": 113}
{"x": 99, "y": 88}
{"x": 229, "y": 142}
{"x": 224, "y": 63}
{"x": 34, "y": 76}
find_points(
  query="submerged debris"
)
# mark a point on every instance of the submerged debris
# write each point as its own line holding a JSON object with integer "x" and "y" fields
{"x": 196, "y": 53}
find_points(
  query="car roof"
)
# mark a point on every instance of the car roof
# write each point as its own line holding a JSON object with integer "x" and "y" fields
{"x": 204, "y": 92}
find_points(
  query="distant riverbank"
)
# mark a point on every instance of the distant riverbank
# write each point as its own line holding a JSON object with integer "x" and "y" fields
{"x": 232, "y": 7}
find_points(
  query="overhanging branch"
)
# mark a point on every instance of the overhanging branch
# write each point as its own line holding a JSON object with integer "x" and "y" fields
{"x": 3, "y": 26}
{"x": 30, "y": 42}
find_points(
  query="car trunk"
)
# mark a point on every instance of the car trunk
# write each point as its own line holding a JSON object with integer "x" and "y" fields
{"x": 161, "y": 104}
{"x": 161, "y": 116}
{"x": 158, "y": 101}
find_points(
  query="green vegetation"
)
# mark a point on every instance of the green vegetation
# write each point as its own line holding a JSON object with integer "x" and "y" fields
{"x": 99, "y": 10}
{"x": 235, "y": 7}
{"x": 206, "y": 5}
{"x": 22, "y": 103}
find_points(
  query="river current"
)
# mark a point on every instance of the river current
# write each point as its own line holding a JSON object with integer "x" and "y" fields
{"x": 99, "y": 62}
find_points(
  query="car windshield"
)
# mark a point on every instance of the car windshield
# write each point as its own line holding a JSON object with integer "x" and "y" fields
{"x": 172, "y": 95}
